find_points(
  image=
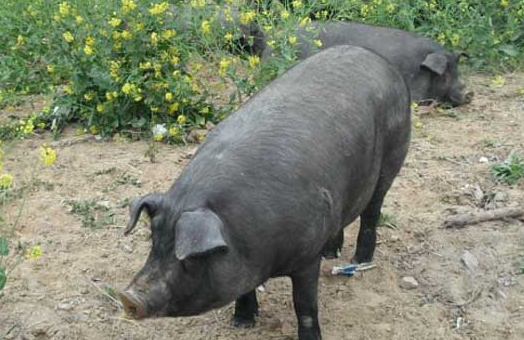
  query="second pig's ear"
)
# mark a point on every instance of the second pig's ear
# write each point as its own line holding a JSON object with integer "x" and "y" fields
{"x": 198, "y": 233}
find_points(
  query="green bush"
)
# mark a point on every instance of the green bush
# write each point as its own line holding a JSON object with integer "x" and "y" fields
{"x": 166, "y": 66}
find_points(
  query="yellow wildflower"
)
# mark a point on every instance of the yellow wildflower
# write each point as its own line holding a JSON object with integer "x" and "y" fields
{"x": 498, "y": 81}
{"x": 89, "y": 96}
{"x": 128, "y": 88}
{"x": 455, "y": 38}
{"x": 223, "y": 66}
{"x": 205, "y": 110}
{"x": 228, "y": 37}
{"x": 33, "y": 253}
{"x": 5, "y": 181}
{"x": 111, "y": 95}
{"x": 158, "y": 9}
{"x": 100, "y": 107}
{"x": 296, "y": 4}
{"x": 168, "y": 96}
{"x": 305, "y": 21}
{"x": 175, "y": 60}
{"x": 88, "y": 50}
{"x": 93, "y": 129}
{"x": 504, "y": 3}
{"x": 364, "y": 10}
{"x": 128, "y": 5}
{"x": 253, "y": 61}
{"x": 40, "y": 125}
{"x": 414, "y": 106}
{"x": 68, "y": 36}
{"x": 50, "y": 68}
{"x": 174, "y": 131}
{"x": 79, "y": 19}
{"x": 115, "y": 22}
{"x": 391, "y": 8}
{"x": 181, "y": 119}
{"x": 198, "y": 3}
{"x": 68, "y": 89}
{"x": 247, "y": 17}
{"x": 292, "y": 40}
{"x": 168, "y": 34}
{"x": 154, "y": 38}
{"x": 139, "y": 26}
{"x": 47, "y": 154}
{"x": 284, "y": 14}
{"x": 126, "y": 35}
{"x": 205, "y": 27}
{"x": 173, "y": 108}
{"x": 63, "y": 8}
{"x": 28, "y": 127}
{"x": 20, "y": 40}
{"x": 271, "y": 43}
{"x": 318, "y": 42}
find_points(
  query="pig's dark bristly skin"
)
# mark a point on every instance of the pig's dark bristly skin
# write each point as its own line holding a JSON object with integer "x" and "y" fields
{"x": 272, "y": 186}
{"x": 430, "y": 71}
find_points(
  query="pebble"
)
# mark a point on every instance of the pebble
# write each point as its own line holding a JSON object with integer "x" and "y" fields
{"x": 127, "y": 248}
{"x": 408, "y": 282}
{"x": 483, "y": 160}
{"x": 470, "y": 261}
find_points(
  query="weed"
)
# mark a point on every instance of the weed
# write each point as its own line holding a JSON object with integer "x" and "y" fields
{"x": 93, "y": 215}
{"x": 385, "y": 220}
{"x": 509, "y": 171}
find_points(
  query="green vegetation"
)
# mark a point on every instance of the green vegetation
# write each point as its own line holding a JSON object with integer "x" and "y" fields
{"x": 164, "y": 67}
{"x": 509, "y": 171}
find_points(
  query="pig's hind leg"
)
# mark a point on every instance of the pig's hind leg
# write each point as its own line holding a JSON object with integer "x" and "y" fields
{"x": 246, "y": 307}
{"x": 333, "y": 247}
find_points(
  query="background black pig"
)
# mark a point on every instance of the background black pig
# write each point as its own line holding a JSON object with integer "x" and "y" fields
{"x": 430, "y": 71}
{"x": 273, "y": 186}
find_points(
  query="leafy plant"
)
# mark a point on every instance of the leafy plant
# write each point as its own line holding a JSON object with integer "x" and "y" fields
{"x": 509, "y": 171}
{"x": 93, "y": 215}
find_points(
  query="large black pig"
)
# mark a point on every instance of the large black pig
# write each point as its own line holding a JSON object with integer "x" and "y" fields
{"x": 272, "y": 187}
{"x": 430, "y": 71}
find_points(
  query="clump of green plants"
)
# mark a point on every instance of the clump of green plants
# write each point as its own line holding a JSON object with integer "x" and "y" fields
{"x": 509, "y": 171}
{"x": 386, "y": 220}
{"x": 93, "y": 215}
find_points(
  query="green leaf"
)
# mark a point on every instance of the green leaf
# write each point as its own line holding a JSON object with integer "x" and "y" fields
{"x": 4, "y": 246}
{"x": 199, "y": 120}
{"x": 3, "y": 278}
{"x": 510, "y": 50}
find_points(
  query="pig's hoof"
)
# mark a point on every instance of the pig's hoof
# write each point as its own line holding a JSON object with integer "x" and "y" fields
{"x": 243, "y": 323}
{"x": 361, "y": 259}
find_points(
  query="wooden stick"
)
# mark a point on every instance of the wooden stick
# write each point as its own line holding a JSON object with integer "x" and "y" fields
{"x": 461, "y": 220}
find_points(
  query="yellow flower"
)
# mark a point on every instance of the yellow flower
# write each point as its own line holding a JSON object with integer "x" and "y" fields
{"x": 318, "y": 42}
{"x": 79, "y": 19}
{"x": 223, "y": 66}
{"x": 139, "y": 26}
{"x": 88, "y": 50}
{"x": 271, "y": 43}
{"x": 418, "y": 125}
{"x": 168, "y": 34}
{"x": 47, "y": 154}
{"x": 128, "y": 88}
{"x": 158, "y": 9}
{"x": 173, "y": 108}
{"x": 205, "y": 27}
{"x": 28, "y": 127}
{"x": 5, "y": 181}
{"x": 284, "y": 14}
{"x": 159, "y": 137}
{"x": 174, "y": 131}
{"x": 414, "y": 106}
{"x": 154, "y": 38}
{"x": 253, "y": 61}
{"x": 498, "y": 81}
{"x": 390, "y": 8}
{"x": 297, "y": 4}
{"x": 111, "y": 95}
{"x": 20, "y": 40}
{"x": 50, "y": 68}
{"x": 204, "y": 110}
{"x": 89, "y": 96}
{"x": 364, "y": 10}
{"x": 41, "y": 125}
{"x": 93, "y": 129}
{"x": 115, "y": 22}
{"x": 198, "y": 3}
{"x": 228, "y": 37}
{"x": 63, "y": 8}
{"x": 99, "y": 107}
{"x": 126, "y": 35}
{"x": 304, "y": 22}
{"x": 455, "y": 38}
{"x": 33, "y": 253}
{"x": 504, "y": 3}
{"x": 128, "y": 5}
{"x": 247, "y": 17}
{"x": 68, "y": 89}
{"x": 181, "y": 119}
{"x": 168, "y": 96}
{"x": 175, "y": 60}
{"x": 68, "y": 36}
{"x": 292, "y": 40}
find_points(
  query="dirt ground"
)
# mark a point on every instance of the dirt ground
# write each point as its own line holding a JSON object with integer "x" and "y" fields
{"x": 62, "y": 294}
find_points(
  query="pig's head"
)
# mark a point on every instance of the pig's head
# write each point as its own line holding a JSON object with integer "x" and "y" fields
{"x": 444, "y": 84}
{"x": 182, "y": 274}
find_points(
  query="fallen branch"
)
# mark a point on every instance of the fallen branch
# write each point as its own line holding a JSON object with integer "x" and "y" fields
{"x": 461, "y": 220}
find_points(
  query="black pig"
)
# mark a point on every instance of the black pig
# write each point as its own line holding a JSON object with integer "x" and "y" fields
{"x": 272, "y": 187}
{"x": 430, "y": 71}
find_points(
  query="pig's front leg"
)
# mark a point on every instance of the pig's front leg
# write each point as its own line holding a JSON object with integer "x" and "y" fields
{"x": 305, "y": 288}
{"x": 246, "y": 307}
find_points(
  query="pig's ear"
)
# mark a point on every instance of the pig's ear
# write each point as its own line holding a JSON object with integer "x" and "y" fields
{"x": 151, "y": 203}
{"x": 436, "y": 62}
{"x": 198, "y": 233}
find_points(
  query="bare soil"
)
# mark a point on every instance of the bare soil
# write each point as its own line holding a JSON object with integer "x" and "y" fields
{"x": 61, "y": 295}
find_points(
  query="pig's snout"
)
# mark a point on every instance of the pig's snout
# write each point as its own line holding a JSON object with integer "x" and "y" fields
{"x": 134, "y": 306}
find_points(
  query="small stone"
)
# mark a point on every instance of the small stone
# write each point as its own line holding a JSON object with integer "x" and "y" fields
{"x": 127, "y": 248}
{"x": 500, "y": 197}
{"x": 105, "y": 204}
{"x": 408, "y": 282}
{"x": 84, "y": 291}
{"x": 394, "y": 238}
{"x": 483, "y": 160}
{"x": 470, "y": 261}
{"x": 478, "y": 193}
